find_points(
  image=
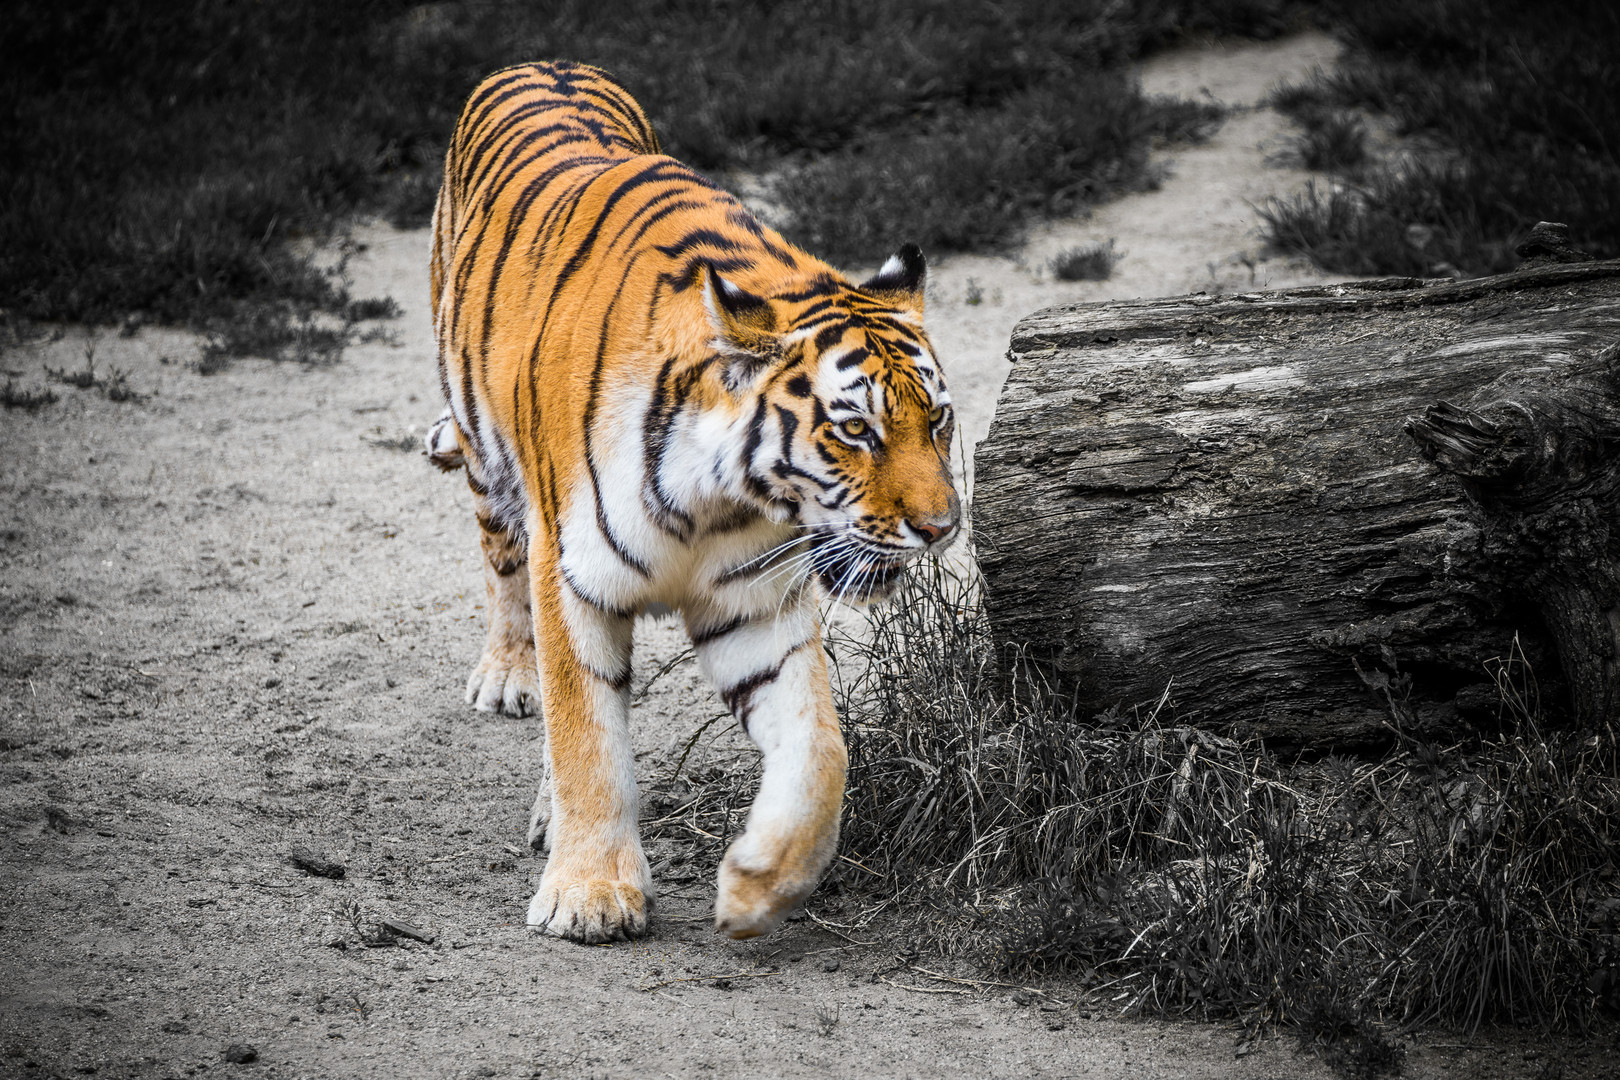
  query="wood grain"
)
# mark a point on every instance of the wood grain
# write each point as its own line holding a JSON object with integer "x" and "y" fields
{"x": 1222, "y": 493}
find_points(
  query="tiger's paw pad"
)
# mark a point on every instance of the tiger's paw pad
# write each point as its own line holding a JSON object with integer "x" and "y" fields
{"x": 505, "y": 684}
{"x": 590, "y": 912}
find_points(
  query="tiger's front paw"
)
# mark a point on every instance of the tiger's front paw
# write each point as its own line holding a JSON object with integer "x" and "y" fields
{"x": 754, "y": 901}
{"x": 506, "y": 682}
{"x": 589, "y": 911}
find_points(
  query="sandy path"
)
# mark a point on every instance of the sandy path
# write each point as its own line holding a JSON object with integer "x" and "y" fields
{"x": 235, "y": 621}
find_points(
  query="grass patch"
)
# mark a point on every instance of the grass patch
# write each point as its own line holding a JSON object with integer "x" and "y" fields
{"x": 13, "y": 396}
{"x": 1091, "y": 262}
{"x": 1173, "y": 870}
{"x": 160, "y": 160}
{"x": 1336, "y": 143}
{"x": 1516, "y": 117}
{"x": 113, "y": 384}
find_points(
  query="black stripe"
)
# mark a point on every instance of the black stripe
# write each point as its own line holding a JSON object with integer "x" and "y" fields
{"x": 785, "y": 470}
{"x": 814, "y": 311}
{"x": 752, "y": 565}
{"x": 718, "y": 241}
{"x": 756, "y": 435}
{"x": 745, "y": 221}
{"x": 602, "y": 524}
{"x": 613, "y": 106}
{"x": 600, "y": 605}
{"x": 650, "y": 174}
{"x": 687, "y": 275}
{"x": 480, "y": 105}
{"x": 507, "y": 163}
{"x": 822, "y": 285}
{"x": 830, "y": 335}
{"x": 655, "y": 426}
{"x": 739, "y": 697}
{"x": 620, "y": 681}
{"x": 714, "y": 633}
{"x": 672, "y": 191}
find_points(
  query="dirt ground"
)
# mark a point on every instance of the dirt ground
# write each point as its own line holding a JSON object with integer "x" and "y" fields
{"x": 236, "y": 616}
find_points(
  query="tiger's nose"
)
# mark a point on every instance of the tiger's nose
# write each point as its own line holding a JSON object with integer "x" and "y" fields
{"x": 933, "y": 530}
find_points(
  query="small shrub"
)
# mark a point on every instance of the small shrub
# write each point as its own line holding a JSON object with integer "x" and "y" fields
{"x": 84, "y": 378}
{"x": 1419, "y": 221}
{"x": 13, "y": 396}
{"x": 1093, "y": 262}
{"x": 1301, "y": 100}
{"x": 405, "y": 443}
{"x": 383, "y": 307}
{"x": 114, "y": 386}
{"x": 1336, "y": 143}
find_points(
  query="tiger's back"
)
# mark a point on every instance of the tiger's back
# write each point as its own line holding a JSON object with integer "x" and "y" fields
{"x": 659, "y": 401}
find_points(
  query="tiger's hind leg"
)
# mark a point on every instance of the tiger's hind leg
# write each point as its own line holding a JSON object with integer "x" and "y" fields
{"x": 506, "y": 679}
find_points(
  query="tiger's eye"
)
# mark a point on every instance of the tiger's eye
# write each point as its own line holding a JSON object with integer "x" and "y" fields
{"x": 937, "y": 415}
{"x": 854, "y": 428}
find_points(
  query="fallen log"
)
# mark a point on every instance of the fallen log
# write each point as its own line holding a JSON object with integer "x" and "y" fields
{"x": 1317, "y": 513}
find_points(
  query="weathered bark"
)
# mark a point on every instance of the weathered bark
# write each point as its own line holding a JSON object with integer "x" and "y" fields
{"x": 1310, "y": 510}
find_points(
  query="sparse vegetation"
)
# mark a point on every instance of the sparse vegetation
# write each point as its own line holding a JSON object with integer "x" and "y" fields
{"x": 159, "y": 160}
{"x": 1174, "y": 870}
{"x": 13, "y": 396}
{"x": 1511, "y": 115}
{"x": 1090, "y": 262}
{"x": 1336, "y": 142}
{"x": 114, "y": 385}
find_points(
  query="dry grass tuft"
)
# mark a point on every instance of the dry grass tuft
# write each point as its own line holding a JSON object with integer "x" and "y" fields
{"x": 1174, "y": 870}
{"x": 1091, "y": 262}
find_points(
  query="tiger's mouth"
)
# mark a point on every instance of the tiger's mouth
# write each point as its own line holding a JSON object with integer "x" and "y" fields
{"x": 856, "y": 573}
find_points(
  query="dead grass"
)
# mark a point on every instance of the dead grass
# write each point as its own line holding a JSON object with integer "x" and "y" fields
{"x": 1506, "y": 117}
{"x": 13, "y": 396}
{"x": 1091, "y": 262}
{"x": 1174, "y": 870}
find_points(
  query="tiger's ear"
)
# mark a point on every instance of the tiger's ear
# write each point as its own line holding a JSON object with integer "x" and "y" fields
{"x": 899, "y": 282}
{"x": 743, "y": 323}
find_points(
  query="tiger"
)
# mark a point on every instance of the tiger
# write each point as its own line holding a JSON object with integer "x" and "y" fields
{"x": 661, "y": 405}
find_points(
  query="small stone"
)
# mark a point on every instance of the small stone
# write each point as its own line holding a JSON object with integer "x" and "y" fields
{"x": 832, "y": 963}
{"x": 312, "y": 862}
{"x": 241, "y": 1053}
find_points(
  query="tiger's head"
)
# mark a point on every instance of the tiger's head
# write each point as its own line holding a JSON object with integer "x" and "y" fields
{"x": 846, "y": 421}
